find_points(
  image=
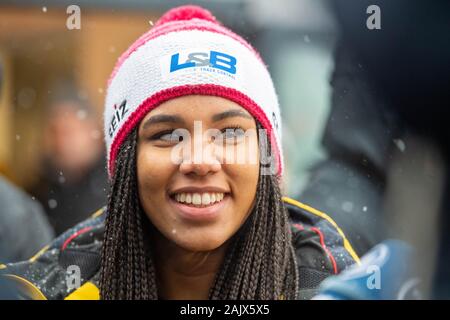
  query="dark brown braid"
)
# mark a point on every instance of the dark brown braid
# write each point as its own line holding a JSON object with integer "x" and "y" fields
{"x": 260, "y": 262}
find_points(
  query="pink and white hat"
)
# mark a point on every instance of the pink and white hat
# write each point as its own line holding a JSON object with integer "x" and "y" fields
{"x": 188, "y": 52}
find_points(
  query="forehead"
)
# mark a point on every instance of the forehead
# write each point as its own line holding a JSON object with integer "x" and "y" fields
{"x": 196, "y": 107}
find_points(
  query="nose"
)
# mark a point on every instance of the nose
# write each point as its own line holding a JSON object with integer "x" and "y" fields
{"x": 200, "y": 169}
{"x": 202, "y": 162}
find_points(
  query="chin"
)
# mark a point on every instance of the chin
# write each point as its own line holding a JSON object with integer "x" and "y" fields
{"x": 202, "y": 242}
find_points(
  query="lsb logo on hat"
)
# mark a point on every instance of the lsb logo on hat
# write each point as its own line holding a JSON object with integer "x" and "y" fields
{"x": 213, "y": 59}
{"x": 199, "y": 60}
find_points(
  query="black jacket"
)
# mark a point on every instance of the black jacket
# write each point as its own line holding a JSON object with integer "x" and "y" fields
{"x": 321, "y": 248}
{"x": 23, "y": 225}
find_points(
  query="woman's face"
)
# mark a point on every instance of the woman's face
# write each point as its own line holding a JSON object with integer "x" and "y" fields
{"x": 199, "y": 189}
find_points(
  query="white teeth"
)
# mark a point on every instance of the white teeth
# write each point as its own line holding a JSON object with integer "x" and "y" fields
{"x": 198, "y": 199}
{"x": 206, "y": 199}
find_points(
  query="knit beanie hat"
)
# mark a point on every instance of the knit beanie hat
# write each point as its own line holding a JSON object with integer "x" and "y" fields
{"x": 188, "y": 52}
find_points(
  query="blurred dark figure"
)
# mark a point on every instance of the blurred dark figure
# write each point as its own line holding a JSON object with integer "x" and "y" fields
{"x": 359, "y": 137}
{"x": 73, "y": 182}
{"x": 390, "y": 85}
{"x": 24, "y": 229}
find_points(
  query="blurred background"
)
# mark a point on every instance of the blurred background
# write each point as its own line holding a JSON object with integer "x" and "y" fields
{"x": 364, "y": 111}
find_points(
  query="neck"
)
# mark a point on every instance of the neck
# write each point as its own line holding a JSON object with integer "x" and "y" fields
{"x": 183, "y": 274}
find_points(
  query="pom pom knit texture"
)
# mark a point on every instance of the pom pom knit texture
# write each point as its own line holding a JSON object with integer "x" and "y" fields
{"x": 143, "y": 79}
{"x": 184, "y": 13}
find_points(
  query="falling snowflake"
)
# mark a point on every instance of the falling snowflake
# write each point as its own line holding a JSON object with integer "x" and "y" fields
{"x": 52, "y": 203}
{"x": 61, "y": 179}
{"x": 400, "y": 144}
{"x": 347, "y": 206}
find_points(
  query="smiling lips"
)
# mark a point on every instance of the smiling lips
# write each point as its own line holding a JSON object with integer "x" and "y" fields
{"x": 199, "y": 205}
{"x": 199, "y": 199}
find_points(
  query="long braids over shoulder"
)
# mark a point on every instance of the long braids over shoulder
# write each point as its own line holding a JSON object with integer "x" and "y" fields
{"x": 260, "y": 262}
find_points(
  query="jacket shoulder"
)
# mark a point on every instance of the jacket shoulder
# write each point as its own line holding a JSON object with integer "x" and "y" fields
{"x": 65, "y": 267}
{"x": 320, "y": 245}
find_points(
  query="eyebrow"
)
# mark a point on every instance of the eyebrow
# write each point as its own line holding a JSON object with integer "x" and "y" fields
{"x": 162, "y": 118}
{"x": 177, "y": 119}
{"x": 231, "y": 113}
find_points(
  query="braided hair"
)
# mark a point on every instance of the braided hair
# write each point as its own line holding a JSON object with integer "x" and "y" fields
{"x": 260, "y": 261}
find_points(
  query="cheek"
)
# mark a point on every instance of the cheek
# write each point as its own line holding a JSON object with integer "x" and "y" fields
{"x": 246, "y": 168}
{"x": 245, "y": 181}
{"x": 153, "y": 172}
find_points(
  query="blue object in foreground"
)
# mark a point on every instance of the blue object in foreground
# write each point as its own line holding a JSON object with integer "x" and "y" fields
{"x": 385, "y": 273}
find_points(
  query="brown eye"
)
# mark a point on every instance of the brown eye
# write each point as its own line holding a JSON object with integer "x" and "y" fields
{"x": 231, "y": 135}
{"x": 170, "y": 136}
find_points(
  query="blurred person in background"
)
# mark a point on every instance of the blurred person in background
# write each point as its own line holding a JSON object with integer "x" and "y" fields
{"x": 73, "y": 180}
{"x": 24, "y": 228}
{"x": 360, "y": 137}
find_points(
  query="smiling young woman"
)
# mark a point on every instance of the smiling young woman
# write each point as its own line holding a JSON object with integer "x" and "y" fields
{"x": 189, "y": 215}
{"x": 192, "y": 234}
